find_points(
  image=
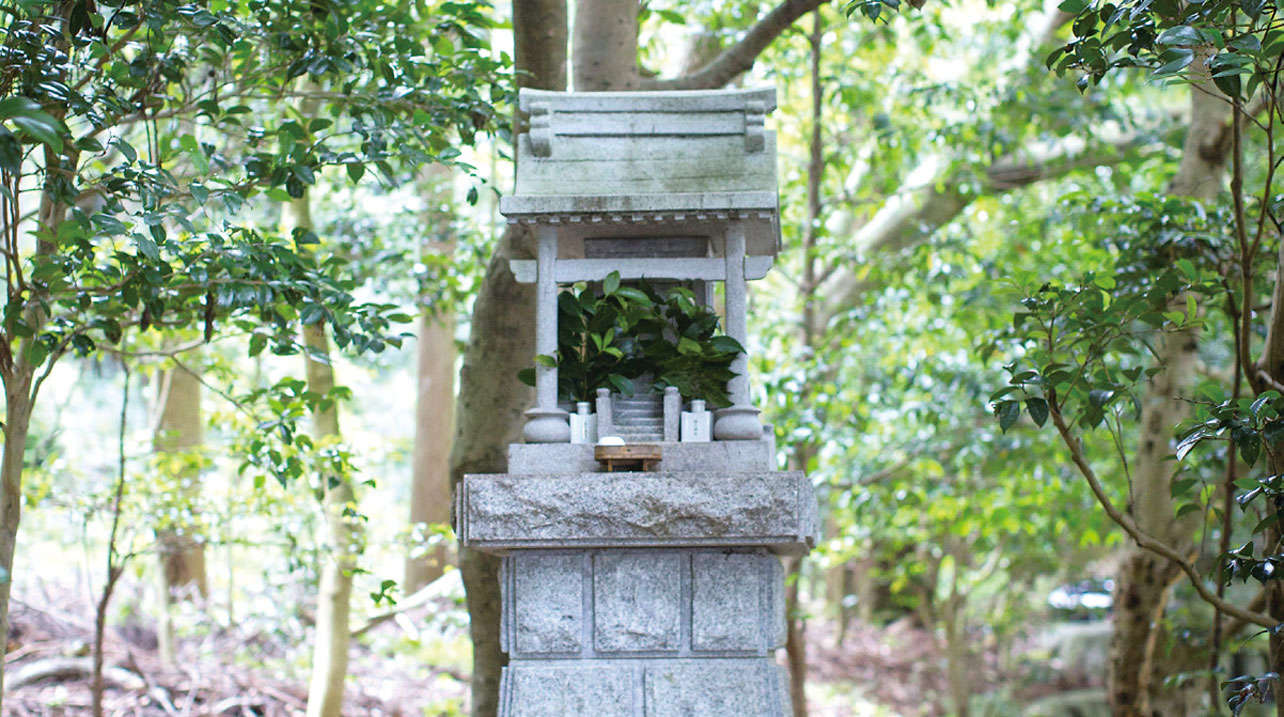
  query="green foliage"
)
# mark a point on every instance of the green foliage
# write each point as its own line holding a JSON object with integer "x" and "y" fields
{"x": 1238, "y": 41}
{"x": 608, "y": 337}
{"x": 1086, "y": 346}
{"x": 156, "y": 127}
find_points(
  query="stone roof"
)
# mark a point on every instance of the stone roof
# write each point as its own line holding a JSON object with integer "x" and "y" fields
{"x": 650, "y": 158}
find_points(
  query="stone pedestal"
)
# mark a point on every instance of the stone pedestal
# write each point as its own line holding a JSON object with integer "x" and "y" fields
{"x": 641, "y": 594}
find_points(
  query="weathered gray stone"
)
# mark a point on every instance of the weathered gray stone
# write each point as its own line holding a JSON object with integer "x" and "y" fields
{"x": 567, "y": 271}
{"x": 773, "y": 509}
{"x": 548, "y": 603}
{"x": 728, "y": 601}
{"x": 672, "y": 414}
{"x": 563, "y": 458}
{"x": 559, "y": 689}
{"x": 650, "y": 687}
{"x": 637, "y": 600}
{"x": 712, "y": 687}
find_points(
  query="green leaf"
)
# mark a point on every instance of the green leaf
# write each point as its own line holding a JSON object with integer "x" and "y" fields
{"x": 1174, "y": 60}
{"x": 43, "y": 130}
{"x": 1038, "y": 409}
{"x": 1188, "y": 442}
{"x": 634, "y": 295}
{"x": 1008, "y": 413}
{"x": 1180, "y": 35}
{"x": 611, "y": 283}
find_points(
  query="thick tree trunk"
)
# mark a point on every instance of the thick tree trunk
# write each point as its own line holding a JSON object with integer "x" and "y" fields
{"x": 330, "y": 645}
{"x": 606, "y": 45}
{"x": 435, "y": 399}
{"x": 1144, "y": 579}
{"x": 181, "y": 554}
{"x": 489, "y": 417}
{"x": 488, "y": 410}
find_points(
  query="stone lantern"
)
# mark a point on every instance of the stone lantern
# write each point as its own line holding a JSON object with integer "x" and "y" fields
{"x": 657, "y": 591}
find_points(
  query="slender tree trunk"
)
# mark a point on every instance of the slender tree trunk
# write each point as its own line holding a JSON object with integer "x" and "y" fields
{"x": 19, "y": 377}
{"x": 488, "y": 413}
{"x": 17, "y": 422}
{"x": 803, "y": 453}
{"x": 179, "y": 431}
{"x": 435, "y": 399}
{"x": 330, "y": 647}
{"x": 1144, "y": 579}
{"x": 796, "y": 639}
{"x": 434, "y": 423}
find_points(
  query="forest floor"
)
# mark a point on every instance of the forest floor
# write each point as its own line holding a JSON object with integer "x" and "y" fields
{"x": 414, "y": 663}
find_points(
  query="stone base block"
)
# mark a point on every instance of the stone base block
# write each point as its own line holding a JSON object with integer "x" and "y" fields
{"x": 774, "y": 509}
{"x": 709, "y": 687}
{"x": 642, "y": 603}
{"x": 730, "y": 456}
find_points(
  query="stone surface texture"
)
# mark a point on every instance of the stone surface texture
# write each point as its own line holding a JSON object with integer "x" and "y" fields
{"x": 563, "y": 458}
{"x": 774, "y": 509}
{"x": 609, "y": 602}
{"x": 710, "y": 687}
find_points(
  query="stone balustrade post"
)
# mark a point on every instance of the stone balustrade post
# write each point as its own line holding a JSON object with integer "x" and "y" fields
{"x": 546, "y": 423}
{"x": 740, "y": 420}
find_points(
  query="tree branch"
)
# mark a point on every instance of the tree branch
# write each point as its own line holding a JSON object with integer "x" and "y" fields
{"x": 1145, "y": 540}
{"x": 913, "y": 217}
{"x": 739, "y": 57}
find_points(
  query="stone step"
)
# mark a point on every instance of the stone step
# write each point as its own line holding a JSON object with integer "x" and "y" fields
{"x": 640, "y": 437}
{"x": 639, "y": 420}
{"x": 639, "y": 407}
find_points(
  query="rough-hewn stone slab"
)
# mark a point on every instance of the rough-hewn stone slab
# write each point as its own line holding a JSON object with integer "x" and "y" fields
{"x": 728, "y": 599}
{"x": 712, "y": 687}
{"x": 637, "y": 601}
{"x": 563, "y": 458}
{"x": 643, "y": 602}
{"x": 548, "y": 601}
{"x": 591, "y": 688}
{"x": 774, "y": 509}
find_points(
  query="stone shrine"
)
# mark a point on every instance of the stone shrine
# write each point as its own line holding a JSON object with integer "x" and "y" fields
{"x": 656, "y": 592}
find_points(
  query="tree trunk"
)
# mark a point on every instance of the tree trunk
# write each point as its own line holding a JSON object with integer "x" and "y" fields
{"x": 606, "y": 45}
{"x": 330, "y": 647}
{"x": 796, "y": 639}
{"x": 956, "y": 654}
{"x": 488, "y": 410}
{"x": 434, "y": 406}
{"x": 17, "y": 421}
{"x": 20, "y": 395}
{"x": 1144, "y": 579}
{"x": 434, "y": 419}
{"x": 181, "y": 555}
{"x": 489, "y": 417}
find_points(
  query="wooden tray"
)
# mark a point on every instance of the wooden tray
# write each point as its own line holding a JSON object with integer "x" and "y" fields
{"x": 628, "y": 457}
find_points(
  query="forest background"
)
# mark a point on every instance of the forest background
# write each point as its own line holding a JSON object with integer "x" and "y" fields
{"x": 1022, "y": 334}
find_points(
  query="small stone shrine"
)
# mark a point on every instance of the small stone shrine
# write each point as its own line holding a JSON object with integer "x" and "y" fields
{"x": 656, "y": 591}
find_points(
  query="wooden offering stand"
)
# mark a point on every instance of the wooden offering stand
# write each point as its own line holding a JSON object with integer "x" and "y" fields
{"x": 628, "y": 457}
